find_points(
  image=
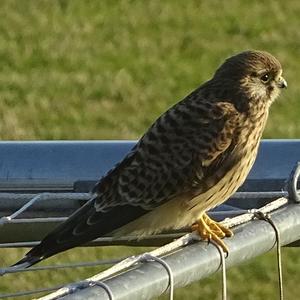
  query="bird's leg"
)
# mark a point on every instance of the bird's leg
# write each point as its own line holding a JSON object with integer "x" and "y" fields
{"x": 209, "y": 229}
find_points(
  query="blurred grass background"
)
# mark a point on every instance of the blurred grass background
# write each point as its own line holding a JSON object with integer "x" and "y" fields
{"x": 106, "y": 69}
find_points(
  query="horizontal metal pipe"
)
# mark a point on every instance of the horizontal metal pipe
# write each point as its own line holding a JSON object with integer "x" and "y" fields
{"x": 199, "y": 260}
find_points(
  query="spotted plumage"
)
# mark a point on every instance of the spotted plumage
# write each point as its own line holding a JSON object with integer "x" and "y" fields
{"x": 193, "y": 157}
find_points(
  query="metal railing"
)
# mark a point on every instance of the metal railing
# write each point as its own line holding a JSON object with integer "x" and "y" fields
{"x": 62, "y": 174}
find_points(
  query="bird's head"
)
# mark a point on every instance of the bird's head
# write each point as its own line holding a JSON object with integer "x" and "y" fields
{"x": 257, "y": 75}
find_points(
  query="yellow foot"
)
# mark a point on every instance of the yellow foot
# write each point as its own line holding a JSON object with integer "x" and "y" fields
{"x": 209, "y": 229}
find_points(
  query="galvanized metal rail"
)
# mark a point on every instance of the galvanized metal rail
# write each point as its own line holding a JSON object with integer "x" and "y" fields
{"x": 193, "y": 262}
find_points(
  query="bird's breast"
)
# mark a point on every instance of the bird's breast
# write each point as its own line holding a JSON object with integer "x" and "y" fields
{"x": 226, "y": 180}
{"x": 184, "y": 210}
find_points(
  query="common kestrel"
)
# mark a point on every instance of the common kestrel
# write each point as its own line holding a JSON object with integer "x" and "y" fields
{"x": 193, "y": 157}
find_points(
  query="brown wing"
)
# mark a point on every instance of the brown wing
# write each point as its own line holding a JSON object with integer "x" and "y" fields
{"x": 188, "y": 143}
{"x": 175, "y": 156}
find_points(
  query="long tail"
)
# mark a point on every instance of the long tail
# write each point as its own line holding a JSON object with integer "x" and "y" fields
{"x": 85, "y": 225}
{"x": 88, "y": 222}
{"x": 25, "y": 262}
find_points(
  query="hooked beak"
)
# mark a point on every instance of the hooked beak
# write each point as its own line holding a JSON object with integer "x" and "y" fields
{"x": 281, "y": 83}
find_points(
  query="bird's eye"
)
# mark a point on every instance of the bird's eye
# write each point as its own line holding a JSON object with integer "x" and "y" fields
{"x": 265, "y": 78}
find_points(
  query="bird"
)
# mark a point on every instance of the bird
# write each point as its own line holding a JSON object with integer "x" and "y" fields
{"x": 191, "y": 159}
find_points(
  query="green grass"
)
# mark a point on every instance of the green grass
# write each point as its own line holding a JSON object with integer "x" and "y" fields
{"x": 107, "y": 69}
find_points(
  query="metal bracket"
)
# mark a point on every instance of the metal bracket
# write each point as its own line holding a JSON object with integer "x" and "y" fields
{"x": 292, "y": 184}
{"x": 149, "y": 257}
{"x": 104, "y": 286}
{"x": 266, "y": 217}
{"x": 223, "y": 265}
{"x": 85, "y": 284}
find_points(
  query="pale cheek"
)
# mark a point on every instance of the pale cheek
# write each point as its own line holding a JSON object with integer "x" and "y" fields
{"x": 258, "y": 91}
{"x": 274, "y": 94}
